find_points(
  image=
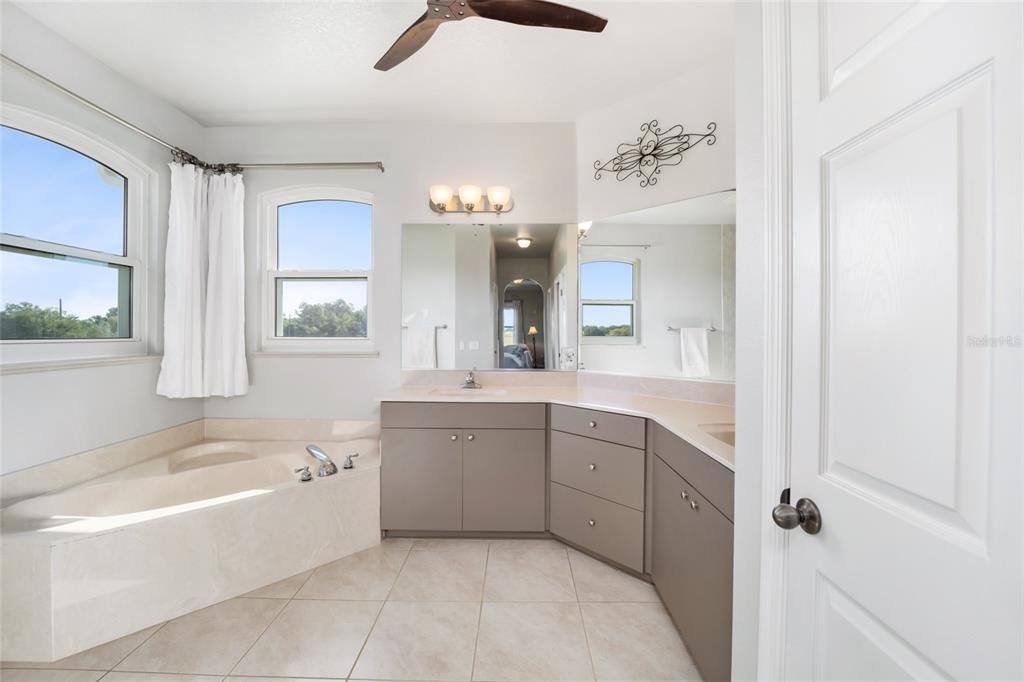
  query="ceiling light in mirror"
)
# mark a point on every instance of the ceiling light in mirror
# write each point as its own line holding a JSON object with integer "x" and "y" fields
{"x": 524, "y": 242}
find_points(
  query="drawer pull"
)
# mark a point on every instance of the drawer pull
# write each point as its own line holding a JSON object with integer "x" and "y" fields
{"x": 593, "y": 425}
{"x": 591, "y": 523}
{"x": 693, "y": 504}
{"x": 454, "y": 437}
{"x": 471, "y": 437}
{"x": 592, "y": 467}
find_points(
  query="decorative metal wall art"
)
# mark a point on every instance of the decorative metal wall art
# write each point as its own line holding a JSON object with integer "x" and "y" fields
{"x": 653, "y": 150}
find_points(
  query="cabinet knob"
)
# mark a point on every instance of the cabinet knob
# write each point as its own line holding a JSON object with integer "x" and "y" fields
{"x": 593, "y": 425}
{"x": 454, "y": 437}
{"x": 592, "y": 467}
{"x": 693, "y": 504}
{"x": 683, "y": 494}
{"x": 591, "y": 523}
{"x": 471, "y": 437}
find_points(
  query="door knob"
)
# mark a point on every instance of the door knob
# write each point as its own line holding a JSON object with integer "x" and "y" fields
{"x": 805, "y": 514}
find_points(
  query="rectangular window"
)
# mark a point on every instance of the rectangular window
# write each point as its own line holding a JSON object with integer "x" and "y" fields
{"x": 319, "y": 269}
{"x": 69, "y": 266}
{"x": 608, "y": 301}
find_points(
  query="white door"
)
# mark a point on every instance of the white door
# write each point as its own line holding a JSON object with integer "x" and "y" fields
{"x": 907, "y": 354}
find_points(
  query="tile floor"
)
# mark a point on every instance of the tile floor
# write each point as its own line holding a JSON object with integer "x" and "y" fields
{"x": 409, "y": 610}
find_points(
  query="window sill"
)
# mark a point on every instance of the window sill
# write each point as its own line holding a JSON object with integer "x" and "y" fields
{"x": 316, "y": 354}
{"x": 83, "y": 363}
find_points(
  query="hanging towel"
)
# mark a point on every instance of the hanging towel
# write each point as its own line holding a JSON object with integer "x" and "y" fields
{"x": 418, "y": 347}
{"x": 693, "y": 349}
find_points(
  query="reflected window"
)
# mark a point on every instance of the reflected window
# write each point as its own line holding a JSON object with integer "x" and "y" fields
{"x": 608, "y": 301}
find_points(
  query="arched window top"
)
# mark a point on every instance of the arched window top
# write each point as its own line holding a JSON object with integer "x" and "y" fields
{"x": 608, "y": 280}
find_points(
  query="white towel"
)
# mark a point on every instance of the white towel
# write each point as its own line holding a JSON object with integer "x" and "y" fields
{"x": 693, "y": 350}
{"x": 418, "y": 347}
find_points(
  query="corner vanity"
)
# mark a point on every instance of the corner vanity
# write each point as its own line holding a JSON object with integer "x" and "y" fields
{"x": 642, "y": 482}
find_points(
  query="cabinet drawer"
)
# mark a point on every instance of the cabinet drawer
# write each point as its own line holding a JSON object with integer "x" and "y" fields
{"x": 462, "y": 415}
{"x": 606, "y": 528}
{"x": 614, "y": 428}
{"x": 614, "y": 472}
{"x": 714, "y": 481}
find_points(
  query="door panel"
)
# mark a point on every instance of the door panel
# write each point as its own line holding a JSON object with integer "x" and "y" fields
{"x": 504, "y": 480}
{"x": 907, "y": 269}
{"x": 421, "y": 479}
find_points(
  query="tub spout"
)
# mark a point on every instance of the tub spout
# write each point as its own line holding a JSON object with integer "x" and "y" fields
{"x": 327, "y": 467}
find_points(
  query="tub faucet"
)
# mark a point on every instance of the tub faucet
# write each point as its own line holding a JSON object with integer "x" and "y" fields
{"x": 327, "y": 467}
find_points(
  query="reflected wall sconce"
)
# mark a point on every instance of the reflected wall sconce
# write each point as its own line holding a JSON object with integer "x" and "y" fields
{"x": 470, "y": 199}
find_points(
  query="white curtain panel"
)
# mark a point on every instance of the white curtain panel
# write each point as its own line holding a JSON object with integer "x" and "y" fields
{"x": 204, "y": 299}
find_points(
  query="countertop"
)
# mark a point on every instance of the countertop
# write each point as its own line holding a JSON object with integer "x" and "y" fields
{"x": 681, "y": 417}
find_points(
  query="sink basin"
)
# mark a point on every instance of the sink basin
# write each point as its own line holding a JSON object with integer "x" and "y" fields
{"x": 723, "y": 432}
{"x": 469, "y": 392}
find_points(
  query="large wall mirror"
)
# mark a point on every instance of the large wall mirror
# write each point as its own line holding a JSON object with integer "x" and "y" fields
{"x": 489, "y": 297}
{"x": 649, "y": 293}
{"x": 658, "y": 291}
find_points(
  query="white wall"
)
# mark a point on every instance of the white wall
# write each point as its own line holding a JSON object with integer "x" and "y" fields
{"x": 536, "y": 160}
{"x": 428, "y": 295}
{"x": 701, "y": 95}
{"x": 53, "y": 414}
{"x": 563, "y": 267}
{"x": 474, "y": 314}
{"x": 681, "y": 284}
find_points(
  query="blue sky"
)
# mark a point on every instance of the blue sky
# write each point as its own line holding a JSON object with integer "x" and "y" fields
{"x": 55, "y": 194}
{"x": 52, "y": 193}
{"x": 606, "y": 280}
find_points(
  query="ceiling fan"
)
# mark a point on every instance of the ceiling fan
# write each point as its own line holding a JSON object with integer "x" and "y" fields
{"x": 524, "y": 12}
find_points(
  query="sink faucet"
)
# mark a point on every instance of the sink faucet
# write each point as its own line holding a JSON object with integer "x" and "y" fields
{"x": 327, "y": 467}
{"x": 469, "y": 381}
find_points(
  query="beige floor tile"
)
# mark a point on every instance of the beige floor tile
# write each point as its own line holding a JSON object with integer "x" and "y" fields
{"x": 103, "y": 657}
{"x": 159, "y": 677}
{"x": 396, "y": 543}
{"x": 515, "y": 546}
{"x": 236, "y": 678}
{"x": 420, "y": 641}
{"x": 532, "y": 575}
{"x": 636, "y": 642}
{"x": 450, "y": 544}
{"x": 597, "y": 581}
{"x": 282, "y": 589}
{"x": 532, "y": 642}
{"x": 209, "y": 641}
{"x": 312, "y": 639}
{"x": 441, "y": 576}
{"x": 12, "y": 675}
{"x": 367, "y": 575}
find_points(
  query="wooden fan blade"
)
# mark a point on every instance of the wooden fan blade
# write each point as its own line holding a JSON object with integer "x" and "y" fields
{"x": 415, "y": 37}
{"x": 538, "y": 13}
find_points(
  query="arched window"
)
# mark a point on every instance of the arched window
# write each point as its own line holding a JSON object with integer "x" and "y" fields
{"x": 608, "y": 301}
{"x": 318, "y": 258}
{"x": 71, "y": 244}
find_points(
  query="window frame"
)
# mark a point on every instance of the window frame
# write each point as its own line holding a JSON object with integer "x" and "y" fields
{"x": 270, "y": 342}
{"x": 140, "y": 206}
{"x": 633, "y": 303}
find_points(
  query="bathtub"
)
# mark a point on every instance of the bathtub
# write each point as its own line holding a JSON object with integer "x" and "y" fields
{"x": 175, "y": 533}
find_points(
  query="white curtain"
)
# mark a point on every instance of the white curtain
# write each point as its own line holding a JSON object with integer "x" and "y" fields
{"x": 204, "y": 299}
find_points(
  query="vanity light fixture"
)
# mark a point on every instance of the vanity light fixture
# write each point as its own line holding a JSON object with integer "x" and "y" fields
{"x": 584, "y": 227}
{"x": 524, "y": 242}
{"x": 470, "y": 199}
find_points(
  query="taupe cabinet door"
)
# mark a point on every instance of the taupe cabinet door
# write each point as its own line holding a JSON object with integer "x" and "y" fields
{"x": 693, "y": 570}
{"x": 421, "y": 479}
{"x": 503, "y": 476}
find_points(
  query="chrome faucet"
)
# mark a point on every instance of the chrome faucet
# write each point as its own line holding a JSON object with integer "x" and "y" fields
{"x": 327, "y": 467}
{"x": 469, "y": 381}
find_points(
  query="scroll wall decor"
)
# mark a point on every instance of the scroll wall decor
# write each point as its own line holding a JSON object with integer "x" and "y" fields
{"x": 653, "y": 150}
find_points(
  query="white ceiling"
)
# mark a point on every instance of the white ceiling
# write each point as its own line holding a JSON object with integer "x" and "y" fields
{"x": 231, "y": 62}
{"x": 710, "y": 209}
{"x": 543, "y": 236}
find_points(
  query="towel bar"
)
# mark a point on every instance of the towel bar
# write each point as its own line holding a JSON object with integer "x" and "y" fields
{"x": 675, "y": 329}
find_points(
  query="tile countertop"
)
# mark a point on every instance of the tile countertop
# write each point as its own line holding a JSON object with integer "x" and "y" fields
{"x": 681, "y": 417}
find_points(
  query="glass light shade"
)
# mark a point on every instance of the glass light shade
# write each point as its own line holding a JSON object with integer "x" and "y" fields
{"x": 440, "y": 194}
{"x": 585, "y": 226}
{"x": 499, "y": 196}
{"x": 532, "y": 331}
{"x": 470, "y": 195}
{"x": 524, "y": 242}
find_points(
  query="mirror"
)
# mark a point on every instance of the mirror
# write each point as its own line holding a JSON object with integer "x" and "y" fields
{"x": 658, "y": 291}
{"x": 489, "y": 297}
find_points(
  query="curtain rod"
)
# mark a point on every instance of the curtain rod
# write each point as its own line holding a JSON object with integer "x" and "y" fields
{"x": 355, "y": 165}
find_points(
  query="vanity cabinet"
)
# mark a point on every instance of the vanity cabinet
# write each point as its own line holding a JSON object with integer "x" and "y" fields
{"x": 454, "y": 467}
{"x": 692, "y": 554}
